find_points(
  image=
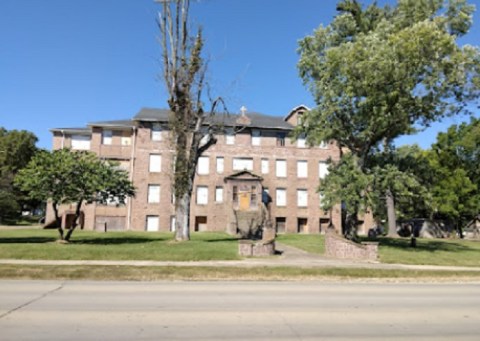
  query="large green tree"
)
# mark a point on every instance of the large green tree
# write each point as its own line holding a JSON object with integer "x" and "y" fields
{"x": 80, "y": 177}
{"x": 16, "y": 149}
{"x": 378, "y": 73}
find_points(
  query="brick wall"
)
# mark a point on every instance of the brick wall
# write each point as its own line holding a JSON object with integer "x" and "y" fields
{"x": 339, "y": 247}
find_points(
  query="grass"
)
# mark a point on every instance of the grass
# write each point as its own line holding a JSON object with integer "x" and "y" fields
{"x": 41, "y": 244}
{"x": 191, "y": 273}
{"x": 308, "y": 242}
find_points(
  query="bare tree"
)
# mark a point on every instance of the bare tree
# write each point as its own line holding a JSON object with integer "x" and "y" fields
{"x": 184, "y": 75}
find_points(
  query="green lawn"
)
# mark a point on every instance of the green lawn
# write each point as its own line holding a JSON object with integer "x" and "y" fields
{"x": 41, "y": 244}
{"x": 314, "y": 243}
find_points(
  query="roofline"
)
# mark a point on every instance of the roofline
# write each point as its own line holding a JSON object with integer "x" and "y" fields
{"x": 301, "y": 106}
{"x": 80, "y": 131}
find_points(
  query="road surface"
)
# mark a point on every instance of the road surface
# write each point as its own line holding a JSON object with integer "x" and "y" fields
{"x": 55, "y": 310}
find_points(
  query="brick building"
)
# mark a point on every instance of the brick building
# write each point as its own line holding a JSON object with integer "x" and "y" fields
{"x": 258, "y": 162}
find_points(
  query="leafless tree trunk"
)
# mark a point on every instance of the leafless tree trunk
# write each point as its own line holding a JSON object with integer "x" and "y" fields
{"x": 184, "y": 76}
{"x": 391, "y": 215}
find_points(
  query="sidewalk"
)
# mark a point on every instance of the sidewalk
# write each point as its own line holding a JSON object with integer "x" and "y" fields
{"x": 289, "y": 257}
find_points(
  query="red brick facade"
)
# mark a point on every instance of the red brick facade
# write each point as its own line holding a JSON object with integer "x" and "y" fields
{"x": 132, "y": 143}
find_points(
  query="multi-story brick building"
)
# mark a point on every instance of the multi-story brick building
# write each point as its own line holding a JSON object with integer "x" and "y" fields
{"x": 286, "y": 171}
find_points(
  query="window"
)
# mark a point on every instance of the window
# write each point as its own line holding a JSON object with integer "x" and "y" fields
{"x": 299, "y": 118}
{"x": 107, "y": 137}
{"x": 253, "y": 197}
{"x": 203, "y": 165}
{"x": 126, "y": 141}
{"x": 301, "y": 142}
{"x": 173, "y": 221}
{"x": 265, "y": 166}
{"x": 280, "y": 223}
{"x": 235, "y": 195}
{"x": 322, "y": 169}
{"x": 156, "y": 132}
{"x": 302, "y": 225}
{"x": 302, "y": 169}
{"x": 202, "y": 195}
{"x": 152, "y": 223}
{"x": 302, "y": 198}
{"x": 218, "y": 194}
{"x": 155, "y": 165}
{"x": 256, "y": 137}
{"x": 281, "y": 168}
{"x": 229, "y": 136}
{"x": 323, "y": 145}
{"x": 242, "y": 164}
{"x": 320, "y": 199}
{"x": 153, "y": 194}
{"x": 220, "y": 165}
{"x": 80, "y": 142}
{"x": 280, "y": 139}
{"x": 281, "y": 197}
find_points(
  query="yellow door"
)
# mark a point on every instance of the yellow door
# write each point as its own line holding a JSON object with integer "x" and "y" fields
{"x": 244, "y": 201}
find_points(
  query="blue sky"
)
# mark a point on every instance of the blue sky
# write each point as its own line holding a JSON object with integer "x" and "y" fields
{"x": 66, "y": 63}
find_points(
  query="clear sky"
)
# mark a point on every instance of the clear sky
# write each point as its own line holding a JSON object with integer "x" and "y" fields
{"x": 65, "y": 63}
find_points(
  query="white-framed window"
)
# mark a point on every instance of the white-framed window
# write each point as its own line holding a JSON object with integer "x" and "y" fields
{"x": 322, "y": 169}
{"x": 156, "y": 132}
{"x": 153, "y": 194}
{"x": 256, "y": 137}
{"x": 302, "y": 169}
{"x": 281, "y": 168}
{"x": 301, "y": 141}
{"x": 229, "y": 136}
{"x": 202, "y": 195}
{"x": 203, "y": 166}
{"x": 81, "y": 142}
{"x": 265, "y": 166}
{"x": 173, "y": 221}
{"x": 155, "y": 163}
{"x": 152, "y": 223}
{"x": 242, "y": 163}
{"x": 107, "y": 137}
{"x": 302, "y": 198}
{"x": 220, "y": 164}
{"x": 281, "y": 197}
{"x": 218, "y": 194}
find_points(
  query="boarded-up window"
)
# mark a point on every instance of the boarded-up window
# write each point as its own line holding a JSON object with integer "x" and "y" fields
{"x": 126, "y": 140}
{"x": 302, "y": 169}
{"x": 153, "y": 194}
{"x": 220, "y": 165}
{"x": 301, "y": 141}
{"x": 242, "y": 164}
{"x": 256, "y": 137}
{"x": 173, "y": 221}
{"x": 281, "y": 168}
{"x": 229, "y": 136}
{"x": 265, "y": 166}
{"x": 322, "y": 169}
{"x": 219, "y": 194}
{"x": 152, "y": 223}
{"x": 281, "y": 197}
{"x": 281, "y": 139}
{"x": 107, "y": 137}
{"x": 302, "y": 198}
{"x": 203, "y": 165}
{"x": 202, "y": 195}
{"x": 280, "y": 224}
{"x": 80, "y": 142}
{"x": 156, "y": 132}
{"x": 155, "y": 165}
{"x": 302, "y": 225}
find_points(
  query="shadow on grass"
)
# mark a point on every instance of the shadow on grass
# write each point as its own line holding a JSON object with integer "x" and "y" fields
{"x": 117, "y": 241}
{"x": 221, "y": 240}
{"x": 423, "y": 245}
{"x": 27, "y": 240}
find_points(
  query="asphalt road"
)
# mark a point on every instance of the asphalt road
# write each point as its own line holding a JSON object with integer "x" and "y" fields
{"x": 54, "y": 310}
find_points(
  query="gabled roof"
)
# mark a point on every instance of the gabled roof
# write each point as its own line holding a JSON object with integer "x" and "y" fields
{"x": 241, "y": 175}
{"x": 256, "y": 120}
{"x": 294, "y": 110}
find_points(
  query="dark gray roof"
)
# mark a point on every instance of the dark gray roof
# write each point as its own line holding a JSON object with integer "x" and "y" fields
{"x": 257, "y": 120}
{"x": 113, "y": 124}
{"x": 81, "y": 131}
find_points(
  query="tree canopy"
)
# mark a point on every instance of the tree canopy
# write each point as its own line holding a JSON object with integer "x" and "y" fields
{"x": 64, "y": 176}
{"x": 382, "y": 72}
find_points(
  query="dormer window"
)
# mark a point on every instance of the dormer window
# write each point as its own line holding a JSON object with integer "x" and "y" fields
{"x": 300, "y": 118}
